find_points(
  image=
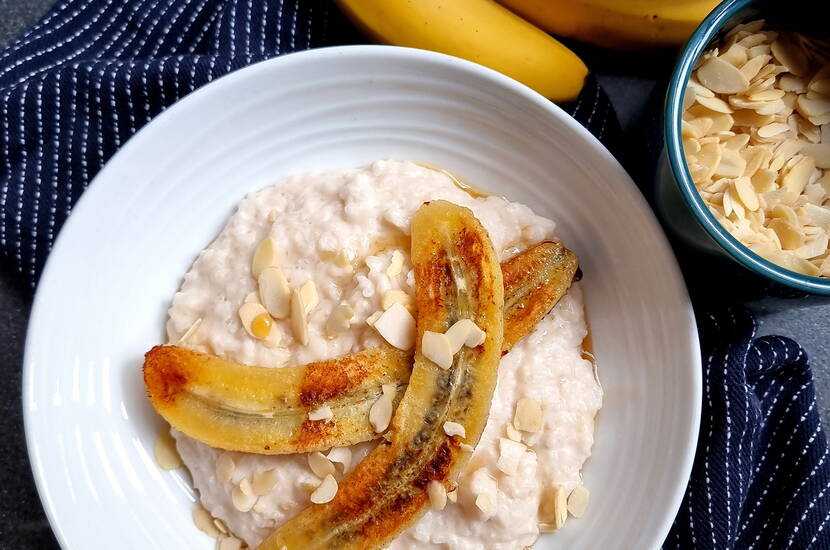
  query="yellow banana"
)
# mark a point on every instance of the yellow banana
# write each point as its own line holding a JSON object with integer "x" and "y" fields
{"x": 620, "y": 24}
{"x": 477, "y": 30}
{"x": 458, "y": 277}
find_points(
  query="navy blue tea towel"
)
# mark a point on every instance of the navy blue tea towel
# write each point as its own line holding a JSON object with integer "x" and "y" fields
{"x": 82, "y": 81}
{"x": 76, "y": 86}
{"x": 761, "y": 478}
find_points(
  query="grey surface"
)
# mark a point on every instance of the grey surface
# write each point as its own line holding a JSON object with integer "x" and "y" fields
{"x": 22, "y": 524}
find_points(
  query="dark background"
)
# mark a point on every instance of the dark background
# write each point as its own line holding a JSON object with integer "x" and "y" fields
{"x": 631, "y": 80}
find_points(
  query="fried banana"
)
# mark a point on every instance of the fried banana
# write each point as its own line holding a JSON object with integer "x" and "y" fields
{"x": 265, "y": 410}
{"x": 457, "y": 277}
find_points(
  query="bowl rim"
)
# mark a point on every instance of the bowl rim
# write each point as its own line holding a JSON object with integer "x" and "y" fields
{"x": 699, "y": 40}
{"x": 674, "y": 496}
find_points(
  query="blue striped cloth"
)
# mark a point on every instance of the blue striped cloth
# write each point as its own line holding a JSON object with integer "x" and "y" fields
{"x": 76, "y": 86}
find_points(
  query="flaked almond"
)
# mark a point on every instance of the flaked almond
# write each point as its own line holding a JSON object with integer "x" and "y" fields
{"x": 813, "y": 248}
{"x": 190, "y": 332}
{"x": 167, "y": 457}
{"x": 436, "y": 347}
{"x": 512, "y": 432}
{"x": 242, "y": 501}
{"x": 817, "y": 215}
{"x": 742, "y": 188}
{"x": 437, "y": 495}
{"x": 381, "y": 412}
{"x": 263, "y": 482}
{"x": 221, "y": 526}
{"x": 454, "y": 428}
{"x": 578, "y": 501}
{"x": 731, "y": 164}
{"x": 274, "y": 292}
{"x": 397, "y": 326}
{"x": 255, "y": 320}
{"x": 395, "y": 264}
{"x": 245, "y": 487}
{"x": 773, "y": 129}
{"x": 299, "y": 320}
{"x": 311, "y": 299}
{"x": 265, "y": 256}
{"x": 486, "y": 503}
{"x": 790, "y": 56}
{"x": 225, "y": 467}
{"x": 715, "y": 104}
{"x": 789, "y": 235}
{"x": 553, "y": 509}
{"x": 452, "y": 496}
{"x": 820, "y": 153}
{"x": 321, "y": 413}
{"x": 342, "y": 456}
{"x": 373, "y": 318}
{"x": 394, "y": 296}
{"x": 813, "y": 107}
{"x": 310, "y": 485}
{"x": 751, "y": 67}
{"x": 204, "y": 522}
{"x": 528, "y": 416}
{"x": 796, "y": 179}
{"x": 510, "y": 455}
{"x": 229, "y": 543}
{"x": 722, "y": 77}
{"x": 340, "y": 320}
{"x": 320, "y": 465}
{"x": 326, "y": 491}
{"x": 345, "y": 257}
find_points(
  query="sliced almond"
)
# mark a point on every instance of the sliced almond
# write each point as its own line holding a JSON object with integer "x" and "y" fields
{"x": 373, "y": 318}
{"x": 772, "y": 129}
{"x": 791, "y": 56}
{"x": 326, "y": 491}
{"x": 321, "y": 413}
{"x": 167, "y": 457}
{"x": 320, "y": 465}
{"x": 245, "y": 487}
{"x": 392, "y": 297}
{"x": 255, "y": 320}
{"x": 311, "y": 298}
{"x": 381, "y": 412}
{"x": 817, "y": 215}
{"x": 722, "y": 77}
{"x": 452, "y": 496}
{"x": 265, "y": 256}
{"x": 263, "y": 482}
{"x": 813, "y": 248}
{"x": 437, "y": 348}
{"x": 820, "y": 152}
{"x": 454, "y": 428}
{"x": 437, "y": 495}
{"x": 751, "y": 67}
{"x": 748, "y": 118}
{"x": 528, "y": 415}
{"x": 796, "y": 179}
{"x": 813, "y": 107}
{"x": 225, "y": 467}
{"x": 553, "y": 509}
{"x": 790, "y": 237}
{"x": 736, "y": 142}
{"x": 715, "y": 104}
{"x": 340, "y": 320}
{"x": 510, "y": 455}
{"x": 189, "y": 333}
{"x": 242, "y": 501}
{"x": 486, "y": 503}
{"x": 342, "y": 456}
{"x": 731, "y": 164}
{"x": 512, "y": 432}
{"x": 457, "y": 334}
{"x": 204, "y": 522}
{"x": 395, "y": 264}
{"x": 229, "y": 543}
{"x": 299, "y": 320}
{"x": 578, "y": 501}
{"x": 763, "y": 181}
{"x": 791, "y": 262}
{"x": 274, "y": 292}
{"x": 397, "y": 326}
{"x": 742, "y": 188}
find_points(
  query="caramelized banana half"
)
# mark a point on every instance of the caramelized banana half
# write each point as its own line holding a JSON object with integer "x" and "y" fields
{"x": 457, "y": 277}
{"x": 265, "y": 410}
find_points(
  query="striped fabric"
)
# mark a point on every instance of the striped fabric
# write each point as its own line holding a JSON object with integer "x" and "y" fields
{"x": 76, "y": 86}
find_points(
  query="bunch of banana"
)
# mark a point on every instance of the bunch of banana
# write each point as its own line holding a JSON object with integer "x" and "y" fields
{"x": 487, "y": 33}
{"x": 265, "y": 410}
{"x": 619, "y": 24}
{"x": 457, "y": 277}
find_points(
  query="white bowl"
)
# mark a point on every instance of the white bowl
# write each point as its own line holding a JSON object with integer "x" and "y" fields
{"x": 102, "y": 299}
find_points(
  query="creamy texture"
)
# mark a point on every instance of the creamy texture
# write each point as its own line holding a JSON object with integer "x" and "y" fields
{"x": 314, "y": 216}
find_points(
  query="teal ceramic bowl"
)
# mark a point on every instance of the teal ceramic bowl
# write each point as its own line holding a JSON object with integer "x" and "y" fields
{"x": 676, "y": 197}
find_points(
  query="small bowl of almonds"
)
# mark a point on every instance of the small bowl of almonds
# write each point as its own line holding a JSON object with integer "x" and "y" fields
{"x": 746, "y": 167}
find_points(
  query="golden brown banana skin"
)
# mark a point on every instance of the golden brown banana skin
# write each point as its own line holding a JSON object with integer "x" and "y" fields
{"x": 457, "y": 276}
{"x": 267, "y": 408}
